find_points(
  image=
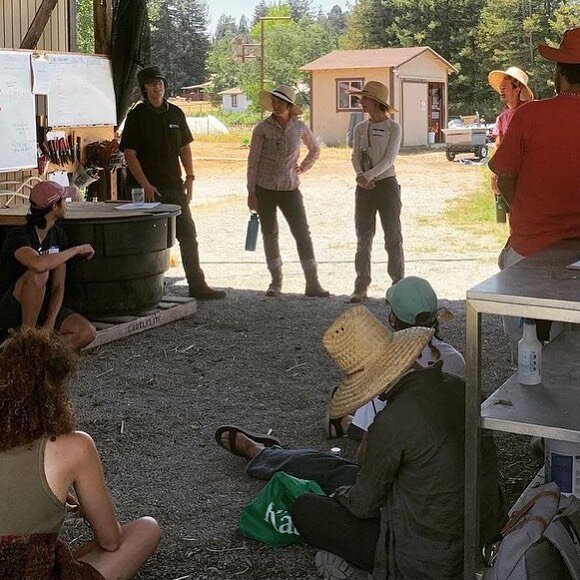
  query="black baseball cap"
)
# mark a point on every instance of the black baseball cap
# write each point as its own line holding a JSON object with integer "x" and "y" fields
{"x": 150, "y": 74}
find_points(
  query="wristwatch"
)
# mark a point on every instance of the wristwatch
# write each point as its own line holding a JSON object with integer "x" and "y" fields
{"x": 190, "y": 176}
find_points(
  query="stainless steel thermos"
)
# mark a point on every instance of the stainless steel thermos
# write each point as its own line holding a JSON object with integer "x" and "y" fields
{"x": 252, "y": 232}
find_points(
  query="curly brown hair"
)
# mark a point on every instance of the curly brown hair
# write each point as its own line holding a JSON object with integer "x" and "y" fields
{"x": 34, "y": 368}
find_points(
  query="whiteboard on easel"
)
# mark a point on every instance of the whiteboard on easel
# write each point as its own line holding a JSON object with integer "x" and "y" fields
{"x": 17, "y": 112}
{"x": 81, "y": 91}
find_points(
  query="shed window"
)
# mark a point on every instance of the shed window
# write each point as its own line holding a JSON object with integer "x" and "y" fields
{"x": 234, "y": 101}
{"x": 346, "y": 102}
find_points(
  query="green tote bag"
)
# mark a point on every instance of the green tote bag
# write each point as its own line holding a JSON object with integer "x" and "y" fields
{"x": 267, "y": 519}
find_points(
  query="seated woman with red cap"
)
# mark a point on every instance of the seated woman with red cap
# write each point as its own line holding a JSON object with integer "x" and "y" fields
{"x": 33, "y": 271}
{"x": 41, "y": 457}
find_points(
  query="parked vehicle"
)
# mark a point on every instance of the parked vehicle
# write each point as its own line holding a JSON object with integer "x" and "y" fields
{"x": 468, "y": 134}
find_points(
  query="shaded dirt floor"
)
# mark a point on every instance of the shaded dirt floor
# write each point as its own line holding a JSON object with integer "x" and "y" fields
{"x": 153, "y": 401}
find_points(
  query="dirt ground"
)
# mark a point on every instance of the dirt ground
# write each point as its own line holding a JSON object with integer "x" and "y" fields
{"x": 153, "y": 401}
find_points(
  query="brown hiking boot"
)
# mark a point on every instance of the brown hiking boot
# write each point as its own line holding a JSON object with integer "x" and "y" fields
{"x": 313, "y": 287}
{"x": 275, "y": 287}
{"x": 315, "y": 290}
{"x": 358, "y": 296}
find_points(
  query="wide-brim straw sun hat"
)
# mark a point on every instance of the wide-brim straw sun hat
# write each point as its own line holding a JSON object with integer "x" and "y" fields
{"x": 372, "y": 357}
{"x": 569, "y": 50}
{"x": 375, "y": 91}
{"x": 283, "y": 92}
{"x": 495, "y": 77}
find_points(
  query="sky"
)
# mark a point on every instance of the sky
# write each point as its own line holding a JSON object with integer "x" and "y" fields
{"x": 236, "y": 8}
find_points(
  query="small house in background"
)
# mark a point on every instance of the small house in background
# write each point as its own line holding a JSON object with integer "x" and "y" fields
{"x": 196, "y": 92}
{"x": 417, "y": 78}
{"x": 234, "y": 100}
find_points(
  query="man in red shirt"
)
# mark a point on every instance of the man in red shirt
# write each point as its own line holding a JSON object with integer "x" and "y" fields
{"x": 537, "y": 167}
{"x": 537, "y": 164}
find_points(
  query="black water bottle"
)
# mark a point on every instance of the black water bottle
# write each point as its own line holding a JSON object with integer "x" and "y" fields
{"x": 252, "y": 232}
{"x": 501, "y": 209}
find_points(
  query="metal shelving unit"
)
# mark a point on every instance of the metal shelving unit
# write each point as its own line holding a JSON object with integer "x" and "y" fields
{"x": 538, "y": 287}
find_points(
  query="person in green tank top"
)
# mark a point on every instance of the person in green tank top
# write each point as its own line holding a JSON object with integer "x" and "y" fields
{"x": 43, "y": 458}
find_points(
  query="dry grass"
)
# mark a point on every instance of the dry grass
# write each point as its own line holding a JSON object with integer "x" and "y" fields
{"x": 191, "y": 108}
{"x": 475, "y": 211}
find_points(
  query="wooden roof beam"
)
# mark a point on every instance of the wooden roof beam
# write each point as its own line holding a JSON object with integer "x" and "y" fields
{"x": 103, "y": 22}
{"x": 38, "y": 24}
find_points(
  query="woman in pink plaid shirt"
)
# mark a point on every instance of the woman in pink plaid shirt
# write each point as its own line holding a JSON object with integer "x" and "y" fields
{"x": 273, "y": 182}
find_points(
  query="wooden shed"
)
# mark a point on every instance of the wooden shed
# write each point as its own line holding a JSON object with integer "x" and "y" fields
{"x": 234, "y": 100}
{"x": 417, "y": 78}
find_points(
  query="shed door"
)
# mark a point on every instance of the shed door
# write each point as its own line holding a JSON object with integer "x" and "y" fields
{"x": 415, "y": 114}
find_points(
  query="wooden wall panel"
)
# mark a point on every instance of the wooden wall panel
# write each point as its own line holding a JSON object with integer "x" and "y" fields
{"x": 328, "y": 123}
{"x": 425, "y": 67}
{"x": 16, "y": 16}
{"x": 7, "y": 23}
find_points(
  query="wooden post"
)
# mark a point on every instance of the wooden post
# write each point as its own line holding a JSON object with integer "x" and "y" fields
{"x": 262, "y": 52}
{"x": 103, "y": 21}
{"x": 38, "y": 24}
{"x": 72, "y": 26}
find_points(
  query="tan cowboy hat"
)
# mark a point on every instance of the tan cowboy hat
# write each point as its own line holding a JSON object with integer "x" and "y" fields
{"x": 375, "y": 91}
{"x": 372, "y": 357}
{"x": 496, "y": 76}
{"x": 568, "y": 51}
{"x": 283, "y": 92}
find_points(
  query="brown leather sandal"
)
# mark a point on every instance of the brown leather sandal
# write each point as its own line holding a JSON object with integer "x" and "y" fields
{"x": 232, "y": 431}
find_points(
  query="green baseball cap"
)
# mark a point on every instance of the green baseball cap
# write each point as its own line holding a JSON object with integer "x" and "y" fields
{"x": 410, "y": 297}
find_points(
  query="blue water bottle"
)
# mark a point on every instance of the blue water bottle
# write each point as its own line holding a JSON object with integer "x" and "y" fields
{"x": 252, "y": 232}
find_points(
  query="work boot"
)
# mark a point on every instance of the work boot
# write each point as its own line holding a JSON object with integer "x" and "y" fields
{"x": 206, "y": 292}
{"x": 275, "y": 286}
{"x": 359, "y": 295}
{"x": 313, "y": 287}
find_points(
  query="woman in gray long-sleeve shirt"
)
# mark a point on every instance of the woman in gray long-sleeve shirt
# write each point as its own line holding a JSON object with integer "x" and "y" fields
{"x": 376, "y": 145}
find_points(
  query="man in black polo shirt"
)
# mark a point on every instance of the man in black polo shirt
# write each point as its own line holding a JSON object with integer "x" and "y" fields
{"x": 155, "y": 138}
{"x": 33, "y": 271}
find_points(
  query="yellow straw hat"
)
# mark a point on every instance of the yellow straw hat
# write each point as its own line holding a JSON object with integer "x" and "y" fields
{"x": 496, "y": 76}
{"x": 372, "y": 357}
{"x": 283, "y": 92}
{"x": 375, "y": 91}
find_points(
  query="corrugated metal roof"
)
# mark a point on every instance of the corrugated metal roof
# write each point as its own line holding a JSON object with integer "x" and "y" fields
{"x": 234, "y": 91}
{"x": 372, "y": 58}
{"x": 200, "y": 86}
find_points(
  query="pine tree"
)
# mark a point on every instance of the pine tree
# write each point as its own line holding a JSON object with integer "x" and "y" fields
{"x": 336, "y": 20}
{"x": 243, "y": 25}
{"x": 179, "y": 42}
{"x": 367, "y": 25}
{"x": 225, "y": 27}
{"x": 300, "y": 9}
{"x": 260, "y": 11}
{"x": 509, "y": 33}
